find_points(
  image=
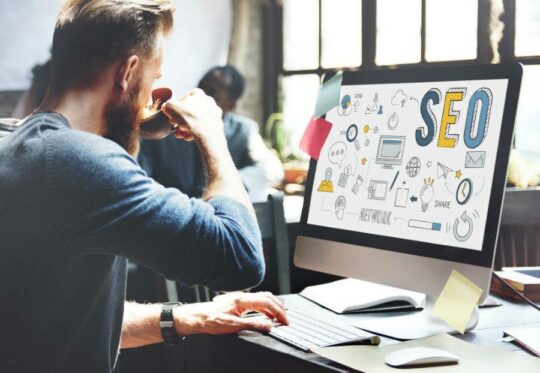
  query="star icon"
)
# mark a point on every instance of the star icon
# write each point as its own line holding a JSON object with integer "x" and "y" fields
{"x": 458, "y": 174}
{"x": 364, "y": 161}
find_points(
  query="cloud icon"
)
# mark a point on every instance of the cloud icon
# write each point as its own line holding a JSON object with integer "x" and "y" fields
{"x": 399, "y": 98}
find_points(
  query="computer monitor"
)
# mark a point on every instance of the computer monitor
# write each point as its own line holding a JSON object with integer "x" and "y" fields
{"x": 390, "y": 151}
{"x": 447, "y": 132}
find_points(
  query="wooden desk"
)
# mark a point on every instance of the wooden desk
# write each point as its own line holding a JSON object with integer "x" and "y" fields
{"x": 254, "y": 352}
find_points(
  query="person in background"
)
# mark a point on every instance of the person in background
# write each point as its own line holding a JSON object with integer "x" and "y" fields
{"x": 41, "y": 75}
{"x": 259, "y": 168}
{"x": 75, "y": 205}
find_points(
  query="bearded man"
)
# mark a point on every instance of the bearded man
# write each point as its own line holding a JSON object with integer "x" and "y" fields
{"x": 75, "y": 204}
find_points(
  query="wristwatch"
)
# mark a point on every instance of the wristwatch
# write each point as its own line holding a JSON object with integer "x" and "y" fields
{"x": 166, "y": 324}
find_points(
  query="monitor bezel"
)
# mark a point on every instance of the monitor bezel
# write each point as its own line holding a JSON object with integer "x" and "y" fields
{"x": 513, "y": 72}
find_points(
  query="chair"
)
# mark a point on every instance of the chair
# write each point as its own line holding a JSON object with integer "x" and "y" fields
{"x": 271, "y": 218}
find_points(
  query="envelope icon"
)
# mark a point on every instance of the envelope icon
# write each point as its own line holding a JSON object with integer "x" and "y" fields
{"x": 475, "y": 159}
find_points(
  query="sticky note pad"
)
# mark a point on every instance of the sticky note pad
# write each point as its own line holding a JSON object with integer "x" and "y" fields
{"x": 457, "y": 301}
{"x": 328, "y": 97}
{"x": 315, "y": 136}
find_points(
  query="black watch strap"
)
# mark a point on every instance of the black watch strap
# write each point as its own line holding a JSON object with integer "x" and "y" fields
{"x": 166, "y": 324}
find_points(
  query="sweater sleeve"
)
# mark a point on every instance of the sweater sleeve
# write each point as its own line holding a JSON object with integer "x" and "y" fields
{"x": 108, "y": 205}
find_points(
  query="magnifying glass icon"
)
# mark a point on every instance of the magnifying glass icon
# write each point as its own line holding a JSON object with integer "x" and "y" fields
{"x": 351, "y": 135}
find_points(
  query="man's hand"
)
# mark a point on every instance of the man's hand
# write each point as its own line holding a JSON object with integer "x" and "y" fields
{"x": 199, "y": 118}
{"x": 197, "y": 115}
{"x": 224, "y": 314}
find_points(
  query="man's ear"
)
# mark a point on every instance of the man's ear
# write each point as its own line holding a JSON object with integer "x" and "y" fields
{"x": 126, "y": 72}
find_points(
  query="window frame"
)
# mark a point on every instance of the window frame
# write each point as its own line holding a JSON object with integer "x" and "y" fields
{"x": 274, "y": 43}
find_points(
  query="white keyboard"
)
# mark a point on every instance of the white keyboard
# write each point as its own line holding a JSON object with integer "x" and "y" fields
{"x": 307, "y": 331}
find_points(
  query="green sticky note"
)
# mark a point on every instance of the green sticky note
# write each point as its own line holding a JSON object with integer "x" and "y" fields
{"x": 328, "y": 97}
{"x": 457, "y": 301}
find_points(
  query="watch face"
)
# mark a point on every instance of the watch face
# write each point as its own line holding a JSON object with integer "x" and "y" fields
{"x": 464, "y": 191}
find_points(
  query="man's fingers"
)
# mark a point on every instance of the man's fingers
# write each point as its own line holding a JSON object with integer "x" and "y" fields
{"x": 265, "y": 305}
{"x": 190, "y": 108}
{"x": 272, "y": 297}
{"x": 278, "y": 304}
{"x": 252, "y": 323}
{"x": 174, "y": 111}
{"x": 227, "y": 324}
{"x": 264, "y": 302}
{"x": 196, "y": 91}
{"x": 184, "y": 135}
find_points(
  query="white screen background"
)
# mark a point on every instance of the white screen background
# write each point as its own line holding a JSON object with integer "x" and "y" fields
{"x": 371, "y": 205}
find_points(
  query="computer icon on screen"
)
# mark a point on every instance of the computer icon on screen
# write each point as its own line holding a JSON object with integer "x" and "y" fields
{"x": 390, "y": 151}
{"x": 412, "y": 229}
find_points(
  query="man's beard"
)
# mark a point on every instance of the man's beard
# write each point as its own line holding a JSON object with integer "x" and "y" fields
{"x": 123, "y": 119}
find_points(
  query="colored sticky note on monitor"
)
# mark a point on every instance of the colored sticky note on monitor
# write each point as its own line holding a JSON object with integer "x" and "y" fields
{"x": 457, "y": 301}
{"x": 328, "y": 97}
{"x": 315, "y": 136}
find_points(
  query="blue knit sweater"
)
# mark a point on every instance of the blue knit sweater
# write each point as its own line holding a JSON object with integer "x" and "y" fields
{"x": 73, "y": 207}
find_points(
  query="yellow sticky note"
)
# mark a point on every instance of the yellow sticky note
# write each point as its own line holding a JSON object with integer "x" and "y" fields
{"x": 457, "y": 301}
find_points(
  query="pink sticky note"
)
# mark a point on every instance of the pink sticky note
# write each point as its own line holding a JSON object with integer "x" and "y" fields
{"x": 315, "y": 136}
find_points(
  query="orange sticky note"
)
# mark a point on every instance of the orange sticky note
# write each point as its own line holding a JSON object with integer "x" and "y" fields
{"x": 457, "y": 301}
{"x": 315, "y": 136}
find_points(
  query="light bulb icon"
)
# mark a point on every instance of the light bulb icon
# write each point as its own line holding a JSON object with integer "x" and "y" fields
{"x": 341, "y": 203}
{"x": 426, "y": 193}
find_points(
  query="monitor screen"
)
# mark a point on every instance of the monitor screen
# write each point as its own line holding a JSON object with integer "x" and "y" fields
{"x": 411, "y": 160}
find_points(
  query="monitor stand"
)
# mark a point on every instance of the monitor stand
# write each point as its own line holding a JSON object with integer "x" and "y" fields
{"x": 409, "y": 325}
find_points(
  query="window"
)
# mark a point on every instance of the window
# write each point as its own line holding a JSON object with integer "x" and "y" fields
{"x": 527, "y": 28}
{"x": 301, "y": 34}
{"x": 526, "y": 49}
{"x": 528, "y": 116}
{"x": 299, "y": 96}
{"x": 318, "y": 36}
{"x": 341, "y": 37}
{"x": 323, "y": 36}
{"x": 451, "y": 30}
{"x": 398, "y": 31}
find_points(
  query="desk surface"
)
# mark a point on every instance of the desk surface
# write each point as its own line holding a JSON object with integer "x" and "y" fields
{"x": 249, "y": 351}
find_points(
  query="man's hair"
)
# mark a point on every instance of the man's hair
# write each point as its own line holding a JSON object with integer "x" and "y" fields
{"x": 41, "y": 76}
{"x": 225, "y": 77}
{"x": 90, "y": 35}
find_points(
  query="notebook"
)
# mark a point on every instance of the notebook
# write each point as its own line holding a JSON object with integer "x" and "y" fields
{"x": 528, "y": 337}
{"x": 351, "y": 295}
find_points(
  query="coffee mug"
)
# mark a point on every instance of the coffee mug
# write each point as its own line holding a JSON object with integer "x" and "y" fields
{"x": 157, "y": 125}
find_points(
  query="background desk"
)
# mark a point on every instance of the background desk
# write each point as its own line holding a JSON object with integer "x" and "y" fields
{"x": 254, "y": 352}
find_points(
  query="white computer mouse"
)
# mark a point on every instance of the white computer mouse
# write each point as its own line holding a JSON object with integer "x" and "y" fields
{"x": 413, "y": 356}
